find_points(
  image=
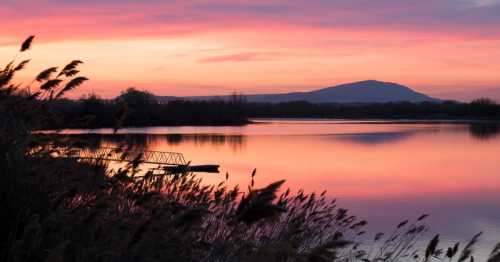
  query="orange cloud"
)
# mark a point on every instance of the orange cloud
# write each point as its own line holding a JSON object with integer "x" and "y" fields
{"x": 239, "y": 57}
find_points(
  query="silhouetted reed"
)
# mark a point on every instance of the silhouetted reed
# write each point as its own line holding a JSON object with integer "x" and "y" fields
{"x": 57, "y": 209}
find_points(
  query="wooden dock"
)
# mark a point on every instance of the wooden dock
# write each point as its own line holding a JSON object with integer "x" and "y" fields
{"x": 171, "y": 162}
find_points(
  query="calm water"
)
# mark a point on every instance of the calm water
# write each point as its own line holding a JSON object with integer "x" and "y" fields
{"x": 383, "y": 172}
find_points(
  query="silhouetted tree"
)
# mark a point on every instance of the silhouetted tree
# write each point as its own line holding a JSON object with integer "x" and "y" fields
{"x": 141, "y": 106}
{"x": 483, "y": 107}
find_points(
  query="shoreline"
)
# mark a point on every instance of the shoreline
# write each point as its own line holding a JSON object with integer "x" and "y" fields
{"x": 264, "y": 120}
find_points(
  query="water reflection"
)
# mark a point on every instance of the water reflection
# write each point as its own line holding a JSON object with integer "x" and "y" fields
{"x": 147, "y": 141}
{"x": 484, "y": 131}
{"x": 383, "y": 172}
{"x": 477, "y": 131}
{"x": 237, "y": 142}
{"x": 376, "y": 138}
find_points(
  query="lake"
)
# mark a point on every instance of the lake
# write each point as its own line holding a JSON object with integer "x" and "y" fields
{"x": 384, "y": 172}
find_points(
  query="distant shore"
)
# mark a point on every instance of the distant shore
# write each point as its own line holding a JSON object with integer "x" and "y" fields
{"x": 134, "y": 108}
{"x": 260, "y": 121}
{"x": 380, "y": 120}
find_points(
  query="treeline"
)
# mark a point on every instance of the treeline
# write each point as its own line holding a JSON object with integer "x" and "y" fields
{"x": 140, "y": 108}
{"x": 477, "y": 109}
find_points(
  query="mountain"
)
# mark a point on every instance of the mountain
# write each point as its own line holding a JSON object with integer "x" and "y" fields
{"x": 369, "y": 91}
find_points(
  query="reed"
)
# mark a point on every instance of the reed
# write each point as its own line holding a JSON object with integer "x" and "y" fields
{"x": 69, "y": 210}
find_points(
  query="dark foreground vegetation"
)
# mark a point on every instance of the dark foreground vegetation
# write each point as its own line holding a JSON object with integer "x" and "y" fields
{"x": 67, "y": 210}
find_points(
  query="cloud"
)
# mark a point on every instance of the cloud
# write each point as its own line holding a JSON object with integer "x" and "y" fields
{"x": 481, "y": 3}
{"x": 240, "y": 57}
{"x": 415, "y": 42}
{"x": 100, "y": 19}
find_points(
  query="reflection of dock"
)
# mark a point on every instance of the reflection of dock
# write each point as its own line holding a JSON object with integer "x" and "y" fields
{"x": 172, "y": 162}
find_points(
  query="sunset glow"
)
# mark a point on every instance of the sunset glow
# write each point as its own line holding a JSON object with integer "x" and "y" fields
{"x": 446, "y": 48}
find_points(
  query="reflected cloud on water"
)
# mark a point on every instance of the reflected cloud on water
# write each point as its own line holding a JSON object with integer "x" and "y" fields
{"x": 376, "y": 137}
{"x": 477, "y": 131}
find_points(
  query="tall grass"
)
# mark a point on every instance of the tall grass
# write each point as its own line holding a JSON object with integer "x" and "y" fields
{"x": 69, "y": 210}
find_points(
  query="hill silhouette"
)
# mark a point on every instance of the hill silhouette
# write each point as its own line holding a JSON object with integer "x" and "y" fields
{"x": 369, "y": 91}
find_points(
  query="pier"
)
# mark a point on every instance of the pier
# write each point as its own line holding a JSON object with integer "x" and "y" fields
{"x": 172, "y": 162}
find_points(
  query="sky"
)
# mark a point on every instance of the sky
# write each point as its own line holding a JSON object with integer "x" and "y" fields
{"x": 445, "y": 48}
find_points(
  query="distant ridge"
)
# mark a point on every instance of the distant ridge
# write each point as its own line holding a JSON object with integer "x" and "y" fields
{"x": 369, "y": 91}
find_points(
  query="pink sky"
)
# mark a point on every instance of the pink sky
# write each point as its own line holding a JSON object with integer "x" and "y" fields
{"x": 447, "y": 48}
